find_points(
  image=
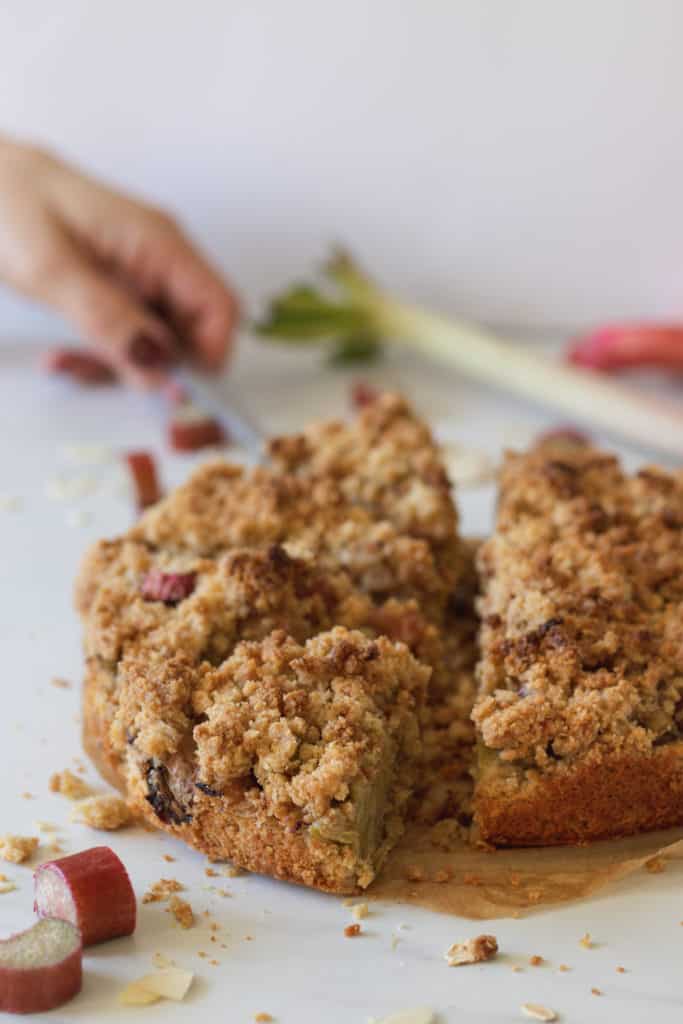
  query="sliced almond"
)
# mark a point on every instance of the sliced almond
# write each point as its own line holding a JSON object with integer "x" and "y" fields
{"x": 171, "y": 983}
{"x": 537, "y": 1012}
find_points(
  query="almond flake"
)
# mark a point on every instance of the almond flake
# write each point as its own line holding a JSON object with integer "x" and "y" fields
{"x": 171, "y": 983}
{"x": 472, "y": 951}
{"x": 538, "y": 1012}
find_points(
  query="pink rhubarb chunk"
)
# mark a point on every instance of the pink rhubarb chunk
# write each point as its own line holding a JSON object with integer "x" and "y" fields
{"x": 623, "y": 346}
{"x": 169, "y": 587}
{"x": 40, "y": 968}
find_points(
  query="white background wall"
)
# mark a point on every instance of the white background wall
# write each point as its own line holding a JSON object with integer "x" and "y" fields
{"x": 517, "y": 160}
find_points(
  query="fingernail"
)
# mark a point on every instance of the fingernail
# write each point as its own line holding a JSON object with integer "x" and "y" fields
{"x": 148, "y": 352}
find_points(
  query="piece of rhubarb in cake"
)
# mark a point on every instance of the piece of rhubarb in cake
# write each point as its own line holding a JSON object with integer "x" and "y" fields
{"x": 580, "y": 707}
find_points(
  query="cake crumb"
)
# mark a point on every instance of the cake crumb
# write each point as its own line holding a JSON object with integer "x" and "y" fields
{"x": 351, "y": 931}
{"x": 161, "y": 961}
{"x": 517, "y": 969}
{"x": 162, "y": 890}
{"x": 564, "y": 967}
{"x": 27, "y": 796}
{"x": 263, "y": 1018}
{"x": 621, "y": 970}
{"x": 169, "y": 859}
{"x": 536, "y": 961}
{"x": 586, "y": 941}
{"x": 182, "y": 911}
{"x": 472, "y": 951}
{"x": 538, "y": 1012}
{"x": 214, "y": 963}
{"x": 202, "y": 954}
{"x": 60, "y": 683}
{"x": 210, "y": 873}
{"x": 6, "y": 886}
{"x": 360, "y": 911}
{"x": 69, "y": 785}
{"x": 596, "y": 992}
{"x": 655, "y": 866}
{"x": 17, "y": 849}
{"x": 107, "y": 812}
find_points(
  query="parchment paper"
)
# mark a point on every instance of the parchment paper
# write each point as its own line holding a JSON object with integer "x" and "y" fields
{"x": 440, "y": 871}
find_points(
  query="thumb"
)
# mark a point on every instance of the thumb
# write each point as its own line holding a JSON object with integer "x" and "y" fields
{"x": 136, "y": 343}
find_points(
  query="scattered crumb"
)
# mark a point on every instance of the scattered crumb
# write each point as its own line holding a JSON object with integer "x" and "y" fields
{"x": 27, "y": 796}
{"x": 210, "y": 873}
{"x": 202, "y": 954}
{"x": 233, "y": 872}
{"x": 586, "y": 941}
{"x": 69, "y": 785}
{"x": 214, "y": 963}
{"x": 351, "y": 931}
{"x": 60, "y": 683}
{"x": 56, "y": 846}
{"x": 472, "y": 951}
{"x": 360, "y": 911}
{"x": 17, "y": 849}
{"x": 6, "y": 886}
{"x": 162, "y": 890}
{"x": 517, "y": 969}
{"x": 161, "y": 961}
{"x": 103, "y": 812}
{"x": 45, "y": 826}
{"x": 563, "y": 967}
{"x": 80, "y": 765}
{"x": 263, "y": 1018}
{"x": 655, "y": 865}
{"x": 596, "y": 992}
{"x": 352, "y": 903}
{"x": 536, "y": 961}
{"x": 538, "y": 1012}
{"x": 169, "y": 858}
{"x": 182, "y": 911}
{"x": 621, "y": 970}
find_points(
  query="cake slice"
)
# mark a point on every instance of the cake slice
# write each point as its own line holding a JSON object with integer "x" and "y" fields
{"x": 259, "y": 647}
{"x": 579, "y": 714}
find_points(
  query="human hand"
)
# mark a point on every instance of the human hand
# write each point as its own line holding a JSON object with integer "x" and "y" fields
{"x": 121, "y": 271}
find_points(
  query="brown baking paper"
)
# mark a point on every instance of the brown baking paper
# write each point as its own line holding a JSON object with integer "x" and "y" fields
{"x": 445, "y": 874}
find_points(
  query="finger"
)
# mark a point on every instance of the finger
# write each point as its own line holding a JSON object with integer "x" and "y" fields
{"x": 199, "y": 304}
{"x": 134, "y": 342}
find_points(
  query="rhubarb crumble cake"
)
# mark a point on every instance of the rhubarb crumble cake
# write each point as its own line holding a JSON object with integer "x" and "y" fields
{"x": 260, "y": 646}
{"x": 579, "y": 714}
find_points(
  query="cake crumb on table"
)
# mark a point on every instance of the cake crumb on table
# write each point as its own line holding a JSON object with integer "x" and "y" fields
{"x": 351, "y": 931}
{"x": 162, "y": 890}
{"x": 27, "y": 796}
{"x": 17, "y": 849}
{"x": 69, "y": 785}
{"x": 263, "y": 1018}
{"x": 621, "y": 970}
{"x": 168, "y": 858}
{"x": 182, "y": 911}
{"x": 564, "y": 967}
{"x": 596, "y": 992}
{"x": 586, "y": 941}
{"x": 472, "y": 951}
{"x": 60, "y": 683}
{"x": 107, "y": 812}
{"x": 359, "y": 911}
{"x": 211, "y": 873}
{"x": 536, "y": 961}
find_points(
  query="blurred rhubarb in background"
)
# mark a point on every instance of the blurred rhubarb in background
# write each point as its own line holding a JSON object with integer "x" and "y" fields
{"x": 630, "y": 346}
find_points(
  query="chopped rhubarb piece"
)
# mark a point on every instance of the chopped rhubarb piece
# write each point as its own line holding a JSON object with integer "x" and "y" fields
{"x": 363, "y": 394}
{"x": 40, "y": 968}
{"x": 144, "y": 474}
{"x": 564, "y": 435}
{"x": 83, "y": 367}
{"x": 91, "y": 890}
{"x": 192, "y": 435}
{"x": 169, "y": 587}
{"x": 624, "y": 346}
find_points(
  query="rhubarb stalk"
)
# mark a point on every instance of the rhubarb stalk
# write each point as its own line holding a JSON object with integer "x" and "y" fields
{"x": 359, "y": 307}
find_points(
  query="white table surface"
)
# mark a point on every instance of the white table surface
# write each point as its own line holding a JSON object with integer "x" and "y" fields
{"x": 298, "y": 966}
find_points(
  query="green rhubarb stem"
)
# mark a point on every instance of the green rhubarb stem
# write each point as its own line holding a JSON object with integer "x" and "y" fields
{"x": 580, "y": 394}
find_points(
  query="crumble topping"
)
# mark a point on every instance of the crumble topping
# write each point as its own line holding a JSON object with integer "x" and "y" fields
{"x": 69, "y": 785}
{"x": 162, "y": 890}
{"x": 182, "y": 911}
{"x": 106, "y": 812}
{"x": 17, "y": 849}
{"x": 583, "y": 595}
{"x": 472, "y": 951}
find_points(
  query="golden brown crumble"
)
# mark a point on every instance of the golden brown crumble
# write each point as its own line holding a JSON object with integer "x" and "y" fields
{"x": 596, "y": 992}
{"x": 263, "y": 1018}
{"x": 536, "y": 961}
{"x": 162, "y": 890}
{"x": 286, "y": 689}
{"x": 17, "y": 849}
{"x": 69, "y": 785}
{"x": 60, "y": 683}
{"x": 106, "y": 812}
{"x": 581, "y": 613}
{"x": 182, "y": 911}
{"x": 352, "y": 930}
{"x": 586, "y": 941}
{"x": 472, "y": 951}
